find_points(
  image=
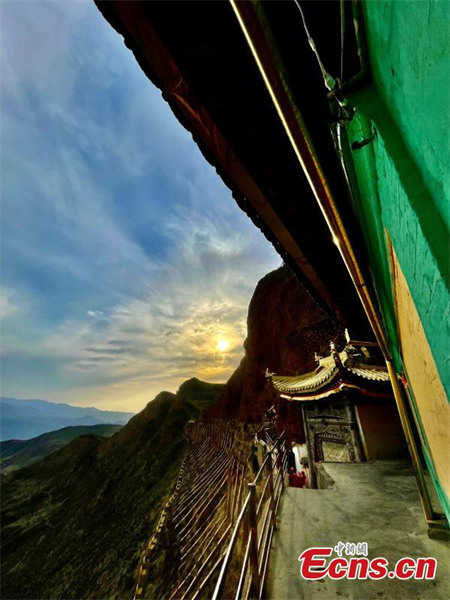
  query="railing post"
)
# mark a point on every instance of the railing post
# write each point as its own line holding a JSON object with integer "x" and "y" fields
{"x": 281, "y": 454}
{"x": 253, "y": 526}
{"x": 271, "y": 491}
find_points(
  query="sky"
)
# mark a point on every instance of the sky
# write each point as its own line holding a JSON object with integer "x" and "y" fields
{"x": 125, "y": 260}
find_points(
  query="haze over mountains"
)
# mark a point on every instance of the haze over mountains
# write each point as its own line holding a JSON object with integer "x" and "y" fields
{"x": 15, "y": 454}
{"x": 25, "y": 419}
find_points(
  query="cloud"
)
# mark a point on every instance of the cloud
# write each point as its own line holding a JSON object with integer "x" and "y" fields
{"x": 124, "y": 245}
{"x": 8, "y": 303}
{"x": 173, "y": 330}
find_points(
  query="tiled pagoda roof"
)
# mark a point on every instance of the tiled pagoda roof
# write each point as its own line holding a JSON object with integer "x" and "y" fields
{"x": 335, "y": 373}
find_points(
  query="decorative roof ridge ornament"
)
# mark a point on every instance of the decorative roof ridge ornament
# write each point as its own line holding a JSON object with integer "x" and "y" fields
{"x": 338, "y": 362}
{"x": 335, "y": 354}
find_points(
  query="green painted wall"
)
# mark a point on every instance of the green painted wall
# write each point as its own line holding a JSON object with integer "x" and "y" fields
{"x": 402, "y": 173}
{"x": 409, "y": 45}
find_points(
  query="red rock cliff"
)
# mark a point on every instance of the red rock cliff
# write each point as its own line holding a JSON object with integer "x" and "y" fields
{"x": 284, "y": 328}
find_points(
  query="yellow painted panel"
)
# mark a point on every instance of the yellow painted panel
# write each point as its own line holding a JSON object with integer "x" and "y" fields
{"x": 429, "y": 393}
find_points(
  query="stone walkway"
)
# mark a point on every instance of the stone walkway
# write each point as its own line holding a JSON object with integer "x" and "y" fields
{"x": 377, "y": 503}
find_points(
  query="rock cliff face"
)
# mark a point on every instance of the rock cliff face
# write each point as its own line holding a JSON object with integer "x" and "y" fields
{"x": 285, "y": 328}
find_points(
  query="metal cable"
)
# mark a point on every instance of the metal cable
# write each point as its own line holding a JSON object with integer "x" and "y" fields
{"x": 328, "y": 79}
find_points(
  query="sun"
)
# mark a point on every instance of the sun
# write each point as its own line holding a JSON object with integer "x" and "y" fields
{"x": 222, "y": 345}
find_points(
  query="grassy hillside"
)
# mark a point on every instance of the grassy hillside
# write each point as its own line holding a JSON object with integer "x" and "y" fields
{"x": 15, "y": 454}
{"x": 74, "y": 524}
{"x": 201, "y": 394}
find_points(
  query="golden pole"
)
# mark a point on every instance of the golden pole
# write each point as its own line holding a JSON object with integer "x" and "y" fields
{"x": 411, "y": 443}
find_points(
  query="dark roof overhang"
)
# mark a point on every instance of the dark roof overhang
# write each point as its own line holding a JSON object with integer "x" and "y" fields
{"x": 196, "y": 54}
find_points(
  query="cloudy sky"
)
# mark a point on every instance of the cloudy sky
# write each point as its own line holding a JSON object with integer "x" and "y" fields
{"x": 124, "y": 258}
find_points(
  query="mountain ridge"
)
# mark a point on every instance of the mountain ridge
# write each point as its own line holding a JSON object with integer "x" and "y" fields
{"x": 75, "y": 523}
{"x": 15, "y": 454}
{"x": 28, "y": 418}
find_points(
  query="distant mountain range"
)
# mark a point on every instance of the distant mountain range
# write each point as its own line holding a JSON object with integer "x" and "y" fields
{"x": 15, "y": 454}
{"x": 25, "y": 419}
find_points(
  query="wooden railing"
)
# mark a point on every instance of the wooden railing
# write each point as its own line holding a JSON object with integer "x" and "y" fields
{"x": 220, "y": 531}
{"x": 243, "y": 571}
{"x": 201, "y": 511}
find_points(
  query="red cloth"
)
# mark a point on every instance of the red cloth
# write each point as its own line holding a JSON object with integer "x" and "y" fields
{"x": 293, "y": 480}
{"x": 297, "y": 480}
{"x": 302, "y": 479}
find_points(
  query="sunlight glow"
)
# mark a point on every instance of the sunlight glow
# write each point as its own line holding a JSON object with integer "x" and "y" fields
{"x": 222, "y": 345}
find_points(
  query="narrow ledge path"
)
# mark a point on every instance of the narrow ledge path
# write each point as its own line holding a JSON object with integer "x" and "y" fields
{"x": 375, "y": 502}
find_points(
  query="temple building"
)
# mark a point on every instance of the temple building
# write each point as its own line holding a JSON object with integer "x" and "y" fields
{"x": 348, "y": 408}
